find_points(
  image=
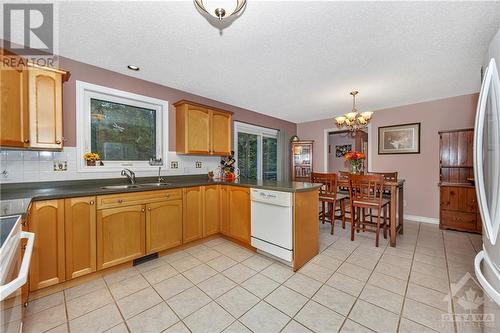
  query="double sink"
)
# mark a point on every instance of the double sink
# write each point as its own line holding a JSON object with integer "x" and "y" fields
{"x": 124, "y": 187}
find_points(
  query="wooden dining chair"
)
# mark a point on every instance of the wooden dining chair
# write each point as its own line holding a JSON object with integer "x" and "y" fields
{"x": 388, "y": 177}
{"x": 366, "y": 192}
{"x": 330, "y": 199}
{"x": 344, "y": 175}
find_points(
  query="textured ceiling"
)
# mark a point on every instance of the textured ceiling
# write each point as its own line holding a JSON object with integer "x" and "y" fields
{"x": 292, "y": 60}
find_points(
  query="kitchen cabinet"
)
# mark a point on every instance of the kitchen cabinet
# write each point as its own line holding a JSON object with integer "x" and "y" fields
{"x": 211, "y": 209}
{"x": 239, "y": 214}
{"x": 80, "y": 231}
{"x": 193, "y": 214}
{"x": 163, "y": 225}
{"x": 202, "y": 130}
{"x": 48, "y": 260}
{"x": 120, "y": 235}
{"x": 224, "y": 210}
{"x": 31, "y": 107}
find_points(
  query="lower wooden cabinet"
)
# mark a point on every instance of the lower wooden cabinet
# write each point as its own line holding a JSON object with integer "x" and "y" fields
{"x": 211, "y": 209}
{"x": 459, "y": 209}
{"x": 80, "y": 230}
{"x": 224, "y": 210}
{"x": 163, "y": 225}
{"x": 239, "y": 214}
{"x": 47, "y": 262}
{"x": 193, "y": 214}
{"x": 120, "y": 235}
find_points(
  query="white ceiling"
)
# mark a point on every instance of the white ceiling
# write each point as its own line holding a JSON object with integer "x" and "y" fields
{"x": 292, "y": 60}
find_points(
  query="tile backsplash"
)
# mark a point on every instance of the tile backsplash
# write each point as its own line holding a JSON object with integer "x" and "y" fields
{"x": 18, "y": 166}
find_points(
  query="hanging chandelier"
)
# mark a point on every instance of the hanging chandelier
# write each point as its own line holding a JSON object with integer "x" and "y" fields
{"x": 354, "y": 120}
{"x": 220, "y": 13}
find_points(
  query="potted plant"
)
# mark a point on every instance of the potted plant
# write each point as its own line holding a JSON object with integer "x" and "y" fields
{"x": 91, "y": 158}
{"x": 355, "y": 159}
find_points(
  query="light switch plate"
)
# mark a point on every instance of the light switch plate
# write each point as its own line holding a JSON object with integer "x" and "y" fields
{"x": 198, "y": 165}
{"x": 60, "y": 165}
{"x": 174, "y": 165}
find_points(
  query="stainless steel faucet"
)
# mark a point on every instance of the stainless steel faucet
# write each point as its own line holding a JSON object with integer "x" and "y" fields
{"x": 129, "y": 174}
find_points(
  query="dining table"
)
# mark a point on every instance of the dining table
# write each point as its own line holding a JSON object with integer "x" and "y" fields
{"x": 396, "y": 189}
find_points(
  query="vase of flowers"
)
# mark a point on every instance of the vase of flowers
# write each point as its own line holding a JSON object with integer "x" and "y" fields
{"x": 355, "y": 159}
{"x": 91, "y": 158}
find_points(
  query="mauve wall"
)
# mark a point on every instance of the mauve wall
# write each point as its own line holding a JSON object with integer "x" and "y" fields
{"x": 421, "y": 171}
{"x": 96, "y": 75}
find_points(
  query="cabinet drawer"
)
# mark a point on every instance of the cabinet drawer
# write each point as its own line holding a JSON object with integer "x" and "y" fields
{"x": 137, "y": 198}
{"x": 458, "y": 220}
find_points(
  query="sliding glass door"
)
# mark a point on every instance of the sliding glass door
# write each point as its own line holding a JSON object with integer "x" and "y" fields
{"x": 256, "y": 151}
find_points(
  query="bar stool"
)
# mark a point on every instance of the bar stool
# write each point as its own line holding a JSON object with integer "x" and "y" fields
{"x": 329, "y": 198}
{"x": 388, "y": 177}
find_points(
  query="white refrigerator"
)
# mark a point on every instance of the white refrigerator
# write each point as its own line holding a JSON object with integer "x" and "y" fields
{"x": 487, "y": 172}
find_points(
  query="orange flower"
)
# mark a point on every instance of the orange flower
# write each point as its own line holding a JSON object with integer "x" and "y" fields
{"x": 354, "y": 155}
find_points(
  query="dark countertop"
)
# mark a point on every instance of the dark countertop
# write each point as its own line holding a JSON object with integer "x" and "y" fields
{"x": 15, "y": 198}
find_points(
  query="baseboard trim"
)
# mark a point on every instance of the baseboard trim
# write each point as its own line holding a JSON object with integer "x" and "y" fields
{"x": 423, "y": 219}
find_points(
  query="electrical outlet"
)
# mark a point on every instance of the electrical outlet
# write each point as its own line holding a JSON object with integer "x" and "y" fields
{"x": 174, "y": 165}
{"x": 198, "y": 165}
{"x": 60, "y": 165}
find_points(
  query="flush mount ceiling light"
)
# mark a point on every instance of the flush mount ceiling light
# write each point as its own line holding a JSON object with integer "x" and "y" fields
{"x": 219, "y": 12}
{"x": 133, "y": 67}
{"x": 354, "y": 120}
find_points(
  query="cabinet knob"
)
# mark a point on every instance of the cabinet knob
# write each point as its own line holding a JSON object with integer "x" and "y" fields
{"x": 58, "y": 142}
{"x": 91, "y": 202}
{"x": 149, "y": 208}
{"x": 167, "y": 195}
{"x": 26, "y": 140}
{"x": 142, "y": 210}
{"x": 120, "y": 200}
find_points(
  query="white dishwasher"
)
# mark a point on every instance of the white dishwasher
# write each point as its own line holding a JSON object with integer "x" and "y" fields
{"x": 272, "y": 223}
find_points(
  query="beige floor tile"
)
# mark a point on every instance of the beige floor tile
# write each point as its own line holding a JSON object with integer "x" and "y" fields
{"x": 237, "y": 301}
{"x": 260, "y": 285}
{"x": 389, "y": 283}
{"x": 59, "y": 329}
{"x": 215, "y": 241}
{"x": 392, "y": 270}
{"x": 429, "y": 269}
{"x": 368, "y": 262}
{"x": 382, "y": 298}
{"x": 43, "y": 303}
{"x": 427, "y": 296}
{"x": 128, "y": 286}
{"x": 120, "y": 328}
{"x": 221, "y": 263}
{"x": 185, "y": 263}
{"x": 408, "y": 326}
{"x": 338, "y": 254}
{"x": 430, "y": 281}
{"x": 155, "y": 319}
{"x": 264, "y": 318}
{"x": 207, "y": 255}
{"x": 87, "y": 303}
{"x": 317, "y": 272}
{"x": 237, "y": 327}
{"x": 278, "y": 272}
{"x": 197, "y": 249}
{"x": 45, "y": 319}
{"x": 210, "y": 318}
{"x": 159, "y": 274}
{"x": 11, "y": 327}
{"x": 353, "y": 327}
{"x": 335, "y": 299}
{"x": 430, "y": 252}
{"x": 396, "y": 260}
{"x": 85, "y": 288}
{"x": 121, "y": 275}
{"x": 303, "y": 284}
{"x": 188, "y": 302}
{"x": 319, "y": 318}
{"x": 373, "y": 317}
{"x": 199, "y": 273}
{"x": 346, "y": 284}
{"x": 239, "y": 273}
{"x": 216, "y": 285}
{"x": 257, "y": 262}
{"x": 426, "y": 315}
{"x": 172, "y": 286}
{"x": 149, "y": 265}
{"x": 98, "y": 320}
{"x": 239, "y": 254}
{"x": 326, "y": 261}
{"x": 177, "y": 328}
{"x": 295, "y": 327}
{"x": 174, "y": 256}
{"x": 396, "y": 251}
{"x": 356, "y": 272}
{"x": 134, "y": 304}
{"x": 286, "y": 300}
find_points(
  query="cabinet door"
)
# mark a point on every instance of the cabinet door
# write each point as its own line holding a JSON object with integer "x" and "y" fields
{"x": 193, "y": 214}
{"x": 80, "y": 230}
{"x": 163, "y": 225}
{"x": 47, "y": 262}
{"x": 221, "y": 133}
{"x": 224, "y": 210}
{"x": 14, "y": 122}
{"x": 45, "y": 108}
{"x": 120, "y": 235}
{"x": 239, "y": 213}
{"x": 211, "y": 205}
{"x": 198, "y": 130}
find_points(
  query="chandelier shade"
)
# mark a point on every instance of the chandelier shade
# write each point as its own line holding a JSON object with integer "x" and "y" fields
{"x": 219, "y": 12}
{"x": 354, "y": 120}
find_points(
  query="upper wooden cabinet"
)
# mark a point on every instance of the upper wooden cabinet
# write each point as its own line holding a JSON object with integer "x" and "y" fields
{"x": 31, "y": 107}
{"x": 202, "y": 130}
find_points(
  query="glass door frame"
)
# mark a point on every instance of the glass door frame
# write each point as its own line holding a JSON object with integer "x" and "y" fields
{"x": 260, "y": 132}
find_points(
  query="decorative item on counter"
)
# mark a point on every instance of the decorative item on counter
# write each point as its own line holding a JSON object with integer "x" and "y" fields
{"x": 355, "y": 159}
{"x": 91, "y": 158}
{"x": 211, "y": 175}
{"x": 294, "y": 138}
{"x": 227, "y": 166}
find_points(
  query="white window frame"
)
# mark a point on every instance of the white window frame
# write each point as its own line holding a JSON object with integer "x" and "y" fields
{"x": 261, "y": 132}
{"x": 84, "y": 92}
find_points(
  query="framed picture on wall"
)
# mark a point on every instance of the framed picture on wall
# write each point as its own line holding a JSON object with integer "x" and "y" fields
{"x": 341, "y": 150}
{"x": 399, "y": 139}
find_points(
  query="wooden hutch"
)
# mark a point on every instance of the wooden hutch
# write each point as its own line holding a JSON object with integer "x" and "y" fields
{"x": 458, "y": 202}
{"x": 302, "y": 160}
